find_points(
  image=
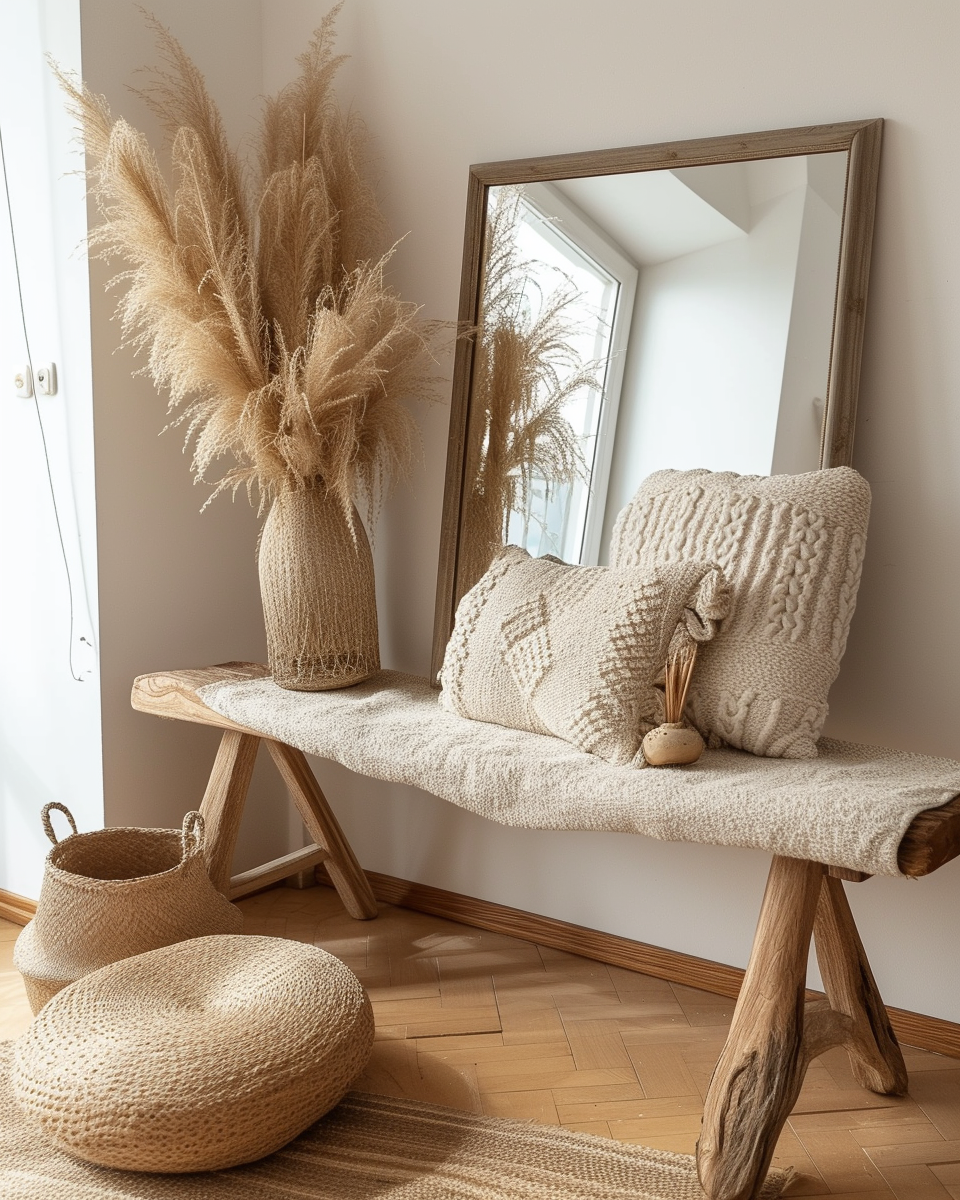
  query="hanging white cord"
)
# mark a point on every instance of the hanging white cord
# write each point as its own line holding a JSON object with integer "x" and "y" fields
{"x": 84, "y": 674}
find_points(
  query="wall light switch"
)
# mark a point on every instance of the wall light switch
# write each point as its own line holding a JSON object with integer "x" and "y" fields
{"x": 23, "y": 382}
{"x": 47, "y": 379}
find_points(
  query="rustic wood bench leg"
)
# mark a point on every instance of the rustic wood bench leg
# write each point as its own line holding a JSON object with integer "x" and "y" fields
{"x": 345, "y": 872}
{"x": 763, "y": 1062}
{"x": 222, "y": 805}
{"x": 774, "y": 1035}
{"x": 222, "y": 809}
{"x": 875, "y": 1055}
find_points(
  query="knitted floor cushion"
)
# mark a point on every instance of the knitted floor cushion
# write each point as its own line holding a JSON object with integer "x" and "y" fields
{"x": 201, "y": 1055}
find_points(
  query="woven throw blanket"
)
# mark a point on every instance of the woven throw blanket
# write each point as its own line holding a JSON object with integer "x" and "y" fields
{"x": 850, "y": 807}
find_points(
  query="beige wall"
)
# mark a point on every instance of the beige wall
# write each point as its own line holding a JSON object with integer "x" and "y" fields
{"x": 177, "y": 588}
{"x": 444, "y": 83}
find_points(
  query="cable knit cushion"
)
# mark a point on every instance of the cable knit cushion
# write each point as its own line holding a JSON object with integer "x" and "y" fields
{"x": 791, "y": 547}
{"x": 575, "y": 651}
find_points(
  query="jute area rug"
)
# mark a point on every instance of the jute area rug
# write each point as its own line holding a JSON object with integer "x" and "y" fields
{"x": 374, "y": 1147}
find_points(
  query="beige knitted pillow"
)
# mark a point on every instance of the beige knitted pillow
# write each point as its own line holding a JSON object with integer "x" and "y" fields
{"x": 574, "y": 651}
{"x": 791, "y": 547}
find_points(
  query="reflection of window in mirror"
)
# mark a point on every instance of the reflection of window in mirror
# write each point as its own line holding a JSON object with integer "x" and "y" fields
{"x": 677, "y": 317}
{"x": 560, "y": 244}
{"x": 730, "y": 344}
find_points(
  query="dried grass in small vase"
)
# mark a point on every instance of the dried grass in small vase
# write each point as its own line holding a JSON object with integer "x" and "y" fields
{"x": 259, "y": 298}
{"x": 673, "y": 743}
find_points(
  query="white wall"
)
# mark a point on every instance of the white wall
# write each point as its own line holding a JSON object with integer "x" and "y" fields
{"x": 49, "y": 684}
{"x": 706, "y": 360}
{"x": 445, "y": 84}
{"x": 805, "y": 369}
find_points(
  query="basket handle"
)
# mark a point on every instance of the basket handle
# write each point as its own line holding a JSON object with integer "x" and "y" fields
{"x": 192, "y": 835}
{"x": 48, "y": 824}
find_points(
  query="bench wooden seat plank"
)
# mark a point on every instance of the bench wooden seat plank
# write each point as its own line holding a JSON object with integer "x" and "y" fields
{"x": 932, "y": 839}
{"x": 774, "y": 1033}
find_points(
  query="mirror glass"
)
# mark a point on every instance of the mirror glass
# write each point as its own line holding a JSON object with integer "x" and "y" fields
{"x": 692, "y": 304}
{"x": 642, "y": 320}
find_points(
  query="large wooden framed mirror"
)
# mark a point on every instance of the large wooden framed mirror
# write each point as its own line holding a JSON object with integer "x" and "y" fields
{"x": 688, "y": 304}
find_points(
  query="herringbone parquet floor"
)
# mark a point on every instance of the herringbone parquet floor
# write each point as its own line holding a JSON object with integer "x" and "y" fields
{"x": 493, "y": 1024}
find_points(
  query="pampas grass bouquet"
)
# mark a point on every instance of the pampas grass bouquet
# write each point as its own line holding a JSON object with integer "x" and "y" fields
{"x": 256, "y": 291}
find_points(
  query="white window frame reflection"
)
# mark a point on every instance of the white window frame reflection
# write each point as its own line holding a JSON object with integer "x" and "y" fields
{"x": 567, "y": 229}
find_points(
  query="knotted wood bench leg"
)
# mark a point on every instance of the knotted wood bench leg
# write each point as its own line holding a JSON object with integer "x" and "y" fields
{"x": 875, "y": 1056}
{"x": 762, "y": 1065}
{"x": 774, "y": 1034}
{"x": 222, "y": 809}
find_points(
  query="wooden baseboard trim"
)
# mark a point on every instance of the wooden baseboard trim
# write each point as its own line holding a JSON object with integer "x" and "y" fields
{"x": 927, "y": 1033}
{"x": 913, "y": 1029}
{"x": 17, "y": 909}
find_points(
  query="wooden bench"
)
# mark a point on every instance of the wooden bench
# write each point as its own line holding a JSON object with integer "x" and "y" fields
{"x": 775, "y": 1031}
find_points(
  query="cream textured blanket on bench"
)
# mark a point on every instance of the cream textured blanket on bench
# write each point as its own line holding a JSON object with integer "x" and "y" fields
{"x": 848, "y": 808}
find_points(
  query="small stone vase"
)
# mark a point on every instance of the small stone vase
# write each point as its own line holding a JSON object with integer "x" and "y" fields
{"x": 317, "y": 588}
{"x": 672, "y": 745}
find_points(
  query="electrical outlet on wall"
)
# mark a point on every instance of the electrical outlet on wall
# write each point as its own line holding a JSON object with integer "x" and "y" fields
{"x": 23, "y": 382}
{"x": 47, "y": 379}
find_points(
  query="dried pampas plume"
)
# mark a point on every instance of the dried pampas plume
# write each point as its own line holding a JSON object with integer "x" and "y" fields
{"x": 526, "y": 371}
{"x": 257, "y": 292}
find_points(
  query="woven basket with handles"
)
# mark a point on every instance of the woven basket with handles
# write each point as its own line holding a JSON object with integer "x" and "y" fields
{"x": 113, "y": 893}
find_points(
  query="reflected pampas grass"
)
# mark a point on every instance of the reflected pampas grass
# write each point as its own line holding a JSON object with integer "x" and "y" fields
{"x": 526, "y": 370}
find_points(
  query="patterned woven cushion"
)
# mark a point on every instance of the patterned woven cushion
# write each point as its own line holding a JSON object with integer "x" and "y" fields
{"x": 575, "y": 651}
{"x": 791, "y": 547}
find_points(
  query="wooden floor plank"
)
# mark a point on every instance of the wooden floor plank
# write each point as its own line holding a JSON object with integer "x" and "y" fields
{"x": 629, "y": 1110}
{"x": 842, "y": 1162}
{"x": 915, "y": 1183}
{"x": 595, "y": 1049}
{"x": 662, "y": 1070}
{"x": 522, "y": 1106}
{"x": 488, "y": 1023}
{"x": 895, "y": 1135}
{"x": 913, "y": 1153}
{"x": 493, "y": 1056}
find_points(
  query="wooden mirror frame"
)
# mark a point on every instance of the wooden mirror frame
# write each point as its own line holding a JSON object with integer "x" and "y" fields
{"x": 859, "y": 139}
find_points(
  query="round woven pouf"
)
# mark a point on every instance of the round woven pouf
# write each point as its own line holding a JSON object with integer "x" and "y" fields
{"x": 206, "y": 1054}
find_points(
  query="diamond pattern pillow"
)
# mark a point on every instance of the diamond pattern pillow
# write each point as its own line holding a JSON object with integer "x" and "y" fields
{"x": 791, "y": 547}
{"x": 575, "y": 651}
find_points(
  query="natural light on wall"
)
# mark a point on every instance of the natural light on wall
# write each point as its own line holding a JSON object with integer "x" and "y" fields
{"x": 50, "y": 747}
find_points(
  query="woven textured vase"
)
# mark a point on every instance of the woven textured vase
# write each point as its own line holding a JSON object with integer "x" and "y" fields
{"x": 113, "y": 893}
{"x": 317, "y": 587}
